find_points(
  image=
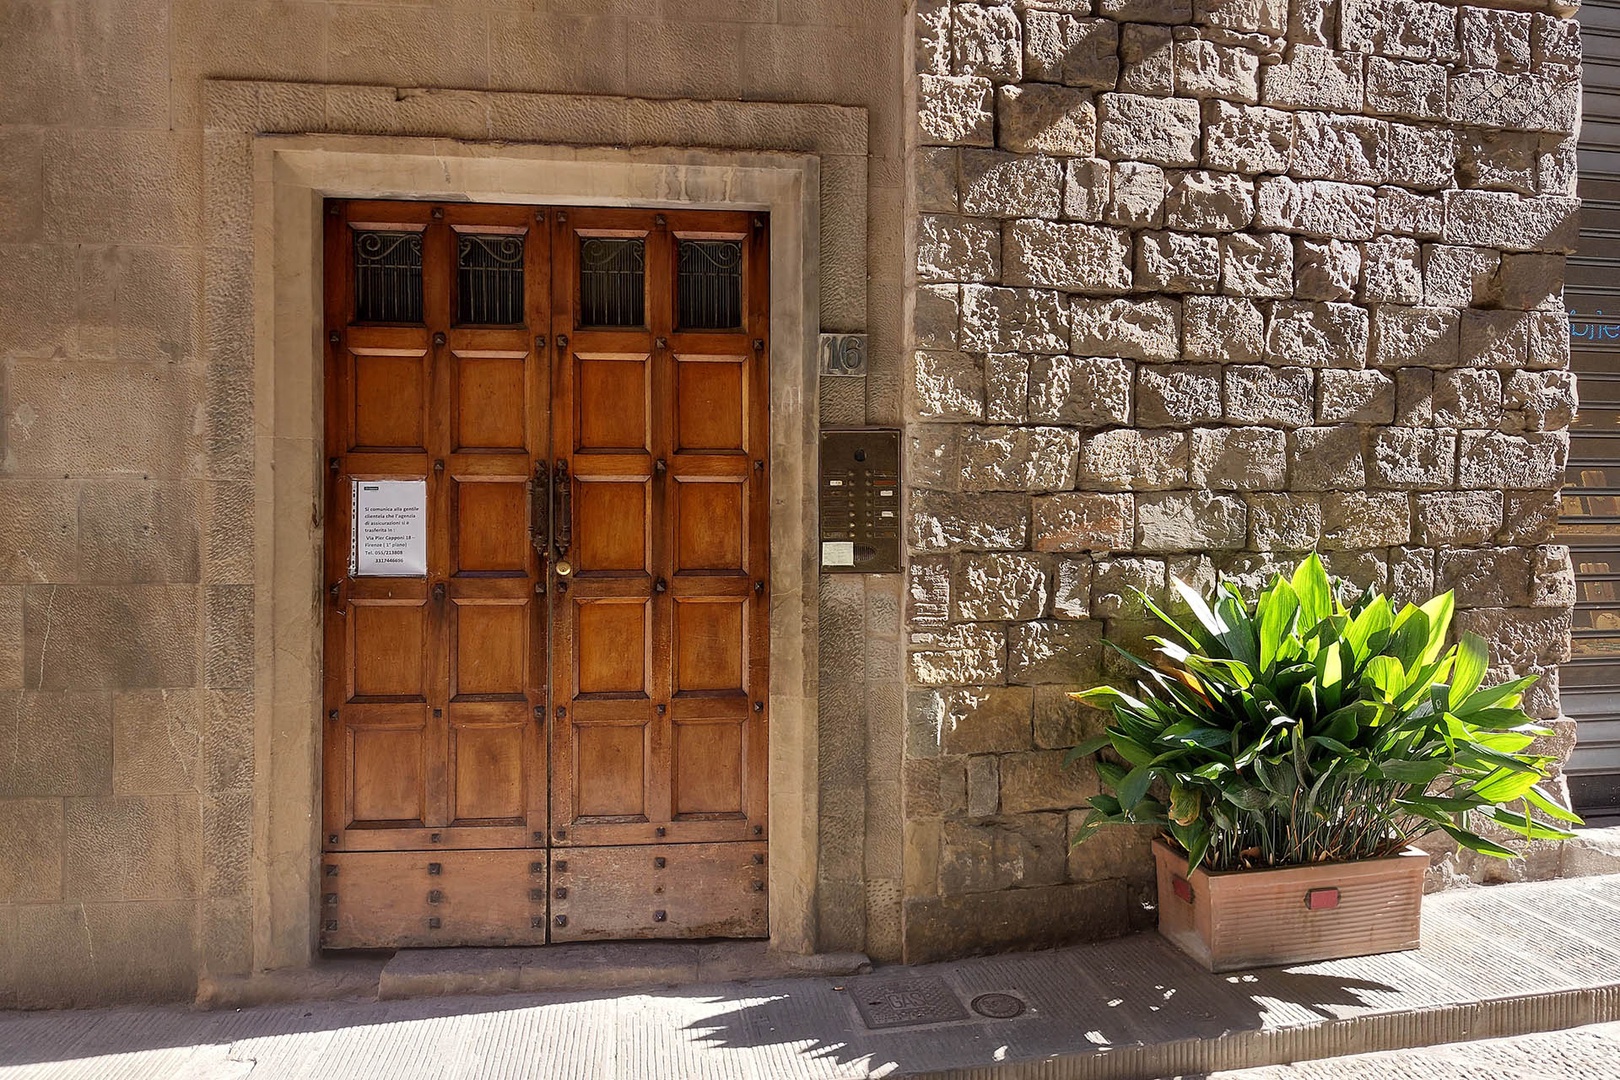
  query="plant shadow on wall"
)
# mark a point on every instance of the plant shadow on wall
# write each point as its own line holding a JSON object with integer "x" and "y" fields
{"x": 1303, "y": 731}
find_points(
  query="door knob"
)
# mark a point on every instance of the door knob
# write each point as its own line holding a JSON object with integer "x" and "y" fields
{"x": 564, "y": 568}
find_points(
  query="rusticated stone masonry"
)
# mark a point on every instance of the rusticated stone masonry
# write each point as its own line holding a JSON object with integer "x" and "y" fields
{"x": 1202, "y": 285}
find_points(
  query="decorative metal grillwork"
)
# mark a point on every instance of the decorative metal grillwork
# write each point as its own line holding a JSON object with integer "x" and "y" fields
{"x": 710, "y": 284}
{"x": 388, "y": 277}
{"x": 612, "y": 282}
{"x": 489, "y": 276}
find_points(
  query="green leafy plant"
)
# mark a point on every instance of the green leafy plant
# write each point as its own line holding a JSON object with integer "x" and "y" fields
{"x": 1302, "y": 730}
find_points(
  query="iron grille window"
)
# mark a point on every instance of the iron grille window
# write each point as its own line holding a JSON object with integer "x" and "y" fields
{"x": 489, "y": 279}
{"x": 612, "y": 282}
{"x": 388, "y": 277}
{"x": 710, "y": 284}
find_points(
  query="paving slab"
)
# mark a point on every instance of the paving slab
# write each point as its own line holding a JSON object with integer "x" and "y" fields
{"x": 1503, "y": 960}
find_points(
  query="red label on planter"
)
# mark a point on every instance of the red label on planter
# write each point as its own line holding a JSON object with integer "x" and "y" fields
{"x": 1322, "y": 899}
{"x": 1182, "y": 887}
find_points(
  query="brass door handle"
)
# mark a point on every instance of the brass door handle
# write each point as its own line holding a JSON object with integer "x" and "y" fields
{"x": 562, "y": 495}
{"x": 539, "y": 500}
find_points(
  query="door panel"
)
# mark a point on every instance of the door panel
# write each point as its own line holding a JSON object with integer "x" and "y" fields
{"x": 582, "y": 666}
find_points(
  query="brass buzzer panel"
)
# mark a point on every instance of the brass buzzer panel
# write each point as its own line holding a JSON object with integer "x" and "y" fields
{"x": 860, "y": 501}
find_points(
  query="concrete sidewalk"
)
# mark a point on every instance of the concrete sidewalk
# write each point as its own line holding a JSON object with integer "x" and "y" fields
{"x": 1495, "y": 961}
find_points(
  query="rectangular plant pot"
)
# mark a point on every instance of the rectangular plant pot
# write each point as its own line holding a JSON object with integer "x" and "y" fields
{"x": 1227, "y": 920}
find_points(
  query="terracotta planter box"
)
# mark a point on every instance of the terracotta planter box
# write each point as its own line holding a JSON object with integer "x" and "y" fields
{"x": 1234, "y": 919}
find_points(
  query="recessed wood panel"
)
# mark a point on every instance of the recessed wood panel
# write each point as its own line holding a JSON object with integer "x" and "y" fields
{"x": 389, "y": 402}
{"x": 415, "y": 899}
{"x": 492, "y": 527}
{"x": 491, "y": 406}
{"x": 709, "y": 648}
{"x": 709, "y": 406}
{"x": 387, "y": 771}
{"x": 612, "y": 403}
{"x": 385, "y": 649}
{"x": 611, "y": 761}
{"x": 488, "y": 772}
{"x": 709, "y": 526}
{"x": 661, "y": 891}
{"x": 708, "y": 768}
{"x": 610, "y": 525}
{"x": 491, "y": 641}
{"x": 612, "y": 646}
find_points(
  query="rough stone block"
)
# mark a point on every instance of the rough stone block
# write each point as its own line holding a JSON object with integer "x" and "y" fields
{"x": 1043, "y": 780}
{"x": 1355, "y": 397}
{"x": 936, "y": 320}
{"x": 137, "y": 847}
{"x": 986, "y": 42}
{"x": 1499, "y": 160}
{"x": 1147, "y": 11}
{"x": 1019, "y": 458}
{"x": 1352, "y": 149}
{"x": 1086, "y": 188}
{"x": 955, "y": 111}
{"x": 1064, "y": 652}
{"x": 932, "y": 34}
{"x": 1133, "y": 459}
{"x": 1540, "y": 400}
{"x": 1222, "y": 328}
{"x": 1487, "y": 577}
{"x": 948, "y": 386}
{"x": 1531, "y": 280}
{"x": 1406, "y": 88}
{"x": 1268, "y": 17}
{"x": 1415, "y": 336}
{"x": 964, "y": 654}
{"x": 1247, "y": 139}
{"x": 1204, "y": 201}
{"x": 1013, "y": 320}
{"x": 937, "y": 179}
{"x": 1122, "y": 586}
{"x": 1060, "y": 721}
{"x": 1071, "y": 587}
{"x": 1133, "y": 127}
{"x": 1545, "y": 100}
{"x": 934, "y": 456}
{"x": 1549, "y": 344}
{"x": 1314, "y": 334}
{"x": 1208, "y": 69}
{"x": 126, "y": 636}
{"x": 1390, "y": 272}
{"x": 1259, "y": 265}
{"x": 1238, "y": 459}
{"x": 1552, "y": 577}
{"x": 1405, "y": 213}
{"x": 952, "y": 248}
{"x": 1136, "y": 329}
{"x": 1468, "y": 399}
{"x": 995, "y": 184}
{"x": 947, "y": 927}
{"x": 1284, "y": 521}
{"x": 1073, "y": 257}
{"x": 1260, "y": 394}
{"x": 1123, "y": 851}
{"x": 39, "y": 530}
{"x": 1136, "y": 195}
{"x": 1326, "y": 269}
{"x": 1060, "y": 48}
{"x": 1312, "y": 77}
{"x": 1529, "y": 517}
{"x": 1459, "y": 276}
{"x": 987, "y": 719}
{"x": 1358, "y": 520}
{"x": 1520, "y": 637}
{"x": 983, "y": 789}
{"x": 1460, "y": 518}
{"x": 1499, "y": 219}
{"x": 1082, "y": 521}
{"x": 157, "y": 741}
{"x": 1495, "y": 460}
{"x": 928, "y": 591}
{"x": 1424, "y": 157}
{"x": 947, "y": 521}
{"x": 100, "y": 953}
{"x": 1147, "y": 53}
{"x": 1042, "y": 118}
{"x": 1326, "y": 458}
{"x": 1321, "y": 208}
{"x": 1414, "y": 30}
{"x": 1178, "y": 396}
{"x": 1088, "y": 392}
{"x": 1413, "y": 458}
{"x": 1006, "y": 387}
{"x": 1176, "y": 262}
{"x": 1494, "y": 339}
{"x": 1190, "y": 521}
{"x": 31, "y": 852}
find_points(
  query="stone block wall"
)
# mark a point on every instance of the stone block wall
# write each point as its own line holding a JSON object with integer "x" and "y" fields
{"x": 1202, "y": 285}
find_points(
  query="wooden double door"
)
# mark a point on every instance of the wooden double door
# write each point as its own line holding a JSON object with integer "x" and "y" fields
{"x": 545, "y": 661}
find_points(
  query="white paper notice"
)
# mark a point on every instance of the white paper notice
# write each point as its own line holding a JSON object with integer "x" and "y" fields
{"x": 390, "y": 528}
{"x": 838, "y": 553}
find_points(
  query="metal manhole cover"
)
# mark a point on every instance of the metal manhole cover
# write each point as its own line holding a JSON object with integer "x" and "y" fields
{"x": 998, "y": 1006}
{"x": 903, "y": 1002}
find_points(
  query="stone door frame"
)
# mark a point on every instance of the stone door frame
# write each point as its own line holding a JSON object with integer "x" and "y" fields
{"x": 264, "y": 192}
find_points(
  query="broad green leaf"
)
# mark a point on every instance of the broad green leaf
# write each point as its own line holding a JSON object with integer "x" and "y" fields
{"x": 1468, "y": 670}
{"x": 1133, "y": 789}
{"x": 1087, "y": 748}
{"x": 1185, "y": 804}
{"x": 1312, "y": 589}
{"x": 1439, "y": 612}
{"x": 1412, "y": 772}
{"x": 1279, "y": 610}
{"x": 1507, "y": 786}
{"x": 1545, "y": 803}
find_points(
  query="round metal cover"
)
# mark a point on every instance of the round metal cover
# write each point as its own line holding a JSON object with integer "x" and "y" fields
{"x": 998, "y": 1006}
